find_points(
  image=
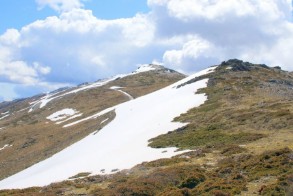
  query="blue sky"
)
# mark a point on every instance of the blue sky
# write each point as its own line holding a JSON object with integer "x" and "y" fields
{"x": 48, "y": 44}
{"x": 18, "y": 13}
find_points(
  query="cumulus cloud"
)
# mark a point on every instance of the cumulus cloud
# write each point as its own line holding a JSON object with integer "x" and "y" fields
{"x": 248, "y": 29}
{"x": 186, "y": 35}
{"x": 12, "y": 67}
{"x": 191, "y": 52}
{"x": 79, "y": 47}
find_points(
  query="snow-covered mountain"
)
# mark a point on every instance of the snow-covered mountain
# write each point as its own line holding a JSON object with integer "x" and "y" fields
{"x": 154, "y": 132}
{"x": 36, "y": 128}
{"x": 121, "y": 144}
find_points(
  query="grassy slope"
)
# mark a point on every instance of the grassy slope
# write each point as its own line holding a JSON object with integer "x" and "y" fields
{"x": 242, "y": 140}
{"x": 35, "y": 138}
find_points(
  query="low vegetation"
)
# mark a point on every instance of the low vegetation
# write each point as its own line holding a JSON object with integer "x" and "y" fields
{"x": 80, "y": 175}
{"x": 189, "y": 138}
{"x": 241, "y": 143}
{"x": 183, "y": 177}
{"x": 34, "y": 138}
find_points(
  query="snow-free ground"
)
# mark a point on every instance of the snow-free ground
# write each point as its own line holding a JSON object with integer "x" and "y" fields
{"x": 42, "y": 102}
{"x": 122, "y": 143}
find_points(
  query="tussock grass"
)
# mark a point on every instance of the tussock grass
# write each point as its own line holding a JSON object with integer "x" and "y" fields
{"x": 242, "y": 140}
{"x": 49, "y": 138}
{"x": 241, "y": 105}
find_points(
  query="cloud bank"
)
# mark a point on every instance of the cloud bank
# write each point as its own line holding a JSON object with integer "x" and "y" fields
{"x": 185, "y": 35}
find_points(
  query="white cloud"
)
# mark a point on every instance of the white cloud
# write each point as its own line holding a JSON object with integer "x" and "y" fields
{"x": 233, "y": 28}
{"x": 60, "y": 5}
{"x": 221, "y": 9}
{"x": 279, "y": 54}
{"x": 186, "y": 35}
{"x": 41, "y": 69}
{"x": 11, "y": 36}
{"x": 77, "y": 42}
{"x": 190, "y": 50}
{"x": 18, "y": 71}
{"x": 73, "y": 48}
{"x": 98, "y": 60}
{"x": 12, "y": 68}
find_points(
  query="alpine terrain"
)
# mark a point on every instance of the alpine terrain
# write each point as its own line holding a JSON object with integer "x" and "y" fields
{"x": 226, "y": 130}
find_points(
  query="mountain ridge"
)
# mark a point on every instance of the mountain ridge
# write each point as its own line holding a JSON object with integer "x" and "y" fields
{"x": 34, "y": 137}
{"x": 239, "y": 141}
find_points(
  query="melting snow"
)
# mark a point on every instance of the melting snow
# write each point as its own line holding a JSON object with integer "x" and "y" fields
{"x": 117, "y": 88}
{"x": 23, "y": 109}
{"x": 104, "y": 121}
{"x": 121, "y": 144}
{"x": 91, "y": 117}
{"x": 5, "y": 146}
{"x": 4, "y": 116}
{"x": 49, "y": 97}
{"x": 70, "y": 118}
{"x": 144, "y": 68}
{"x": 62, "y": 114}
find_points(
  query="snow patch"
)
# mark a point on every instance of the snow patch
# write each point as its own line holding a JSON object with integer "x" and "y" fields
{"x": 117, "y": 88}
{"x": 5, "y": 146}
{"x": 123, "y": 143}
{"x": 42, "y": 102}
{"x": 4, "y": 116}
{"x": 49, "y": 97}
{"x": 62, "y": 114}
{"x": 70, "y": 118}
{"x": 104, "y": 121}
{"x": 23, "y": 109}
{"x": 200, "y": 73}
{"x": 125, "y": 93}
{"x": 90, "y": 117}
{"x": 145, "y": 68}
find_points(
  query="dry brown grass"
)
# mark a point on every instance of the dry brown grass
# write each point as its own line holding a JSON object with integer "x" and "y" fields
{"x": 34, "y": 138}
{"x": 241, "y": 103}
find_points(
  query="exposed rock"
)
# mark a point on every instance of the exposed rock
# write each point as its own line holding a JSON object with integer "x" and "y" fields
{"x": 282, "y": 82}
{"x": 29, "y": 142}
{"x": 239, "y": 65}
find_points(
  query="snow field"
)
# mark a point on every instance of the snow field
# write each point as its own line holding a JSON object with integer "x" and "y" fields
{"x": 123, "y": 143}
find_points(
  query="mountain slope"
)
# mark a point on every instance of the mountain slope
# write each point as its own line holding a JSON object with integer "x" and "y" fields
{"x": 32, "y": 137}
{"x": 123, "y": 142}
{"x": 240, "y": 139}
